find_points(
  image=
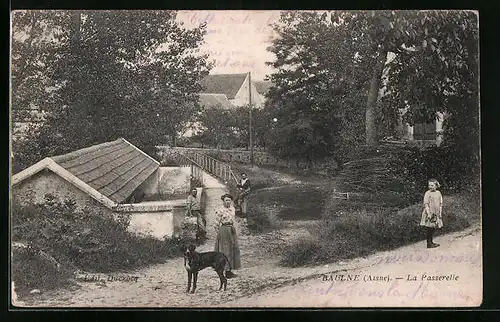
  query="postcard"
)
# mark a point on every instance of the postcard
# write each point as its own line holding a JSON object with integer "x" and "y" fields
{"x": 254, "y": 159}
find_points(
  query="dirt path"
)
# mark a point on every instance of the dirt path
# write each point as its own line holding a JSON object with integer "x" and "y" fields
{"x": 407, "y": 270}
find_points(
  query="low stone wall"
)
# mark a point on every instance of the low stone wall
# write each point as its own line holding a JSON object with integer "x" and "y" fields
{"x": 174, "y": 180}
{"x": 158, "y": 219}
{"x": 243, "y": 156}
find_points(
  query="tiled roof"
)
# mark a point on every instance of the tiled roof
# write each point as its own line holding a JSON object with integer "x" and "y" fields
{"x": 215, "y": 100}
{"x": 228, "y": 84}
{"x": 262, "y": 86}
{"x": 115, "y": 169}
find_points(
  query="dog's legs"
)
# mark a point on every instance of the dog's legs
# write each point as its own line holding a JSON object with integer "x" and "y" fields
{"x": 222, "y": 279}
{"x": 190, "y": 274}
{"x": 195, "y": 279}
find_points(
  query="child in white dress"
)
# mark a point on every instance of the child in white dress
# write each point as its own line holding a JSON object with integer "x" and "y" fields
{"x": 432, "y": 213}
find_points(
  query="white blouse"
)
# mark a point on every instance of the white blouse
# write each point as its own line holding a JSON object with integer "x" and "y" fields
{"x": 224, "y": 215}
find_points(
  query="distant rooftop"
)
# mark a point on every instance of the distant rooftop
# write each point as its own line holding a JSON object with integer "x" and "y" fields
{"x": 228, "y": 84}
{"x": 215, "y": 100}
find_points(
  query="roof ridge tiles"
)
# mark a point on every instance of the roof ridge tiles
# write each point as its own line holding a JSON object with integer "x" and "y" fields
{"x": 75, "y": 154}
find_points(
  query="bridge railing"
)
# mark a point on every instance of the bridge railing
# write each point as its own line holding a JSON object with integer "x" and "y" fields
{"x": 200, "y": 162}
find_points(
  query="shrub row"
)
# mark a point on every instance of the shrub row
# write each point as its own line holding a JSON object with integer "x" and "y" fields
{"x": 363, "y": 230}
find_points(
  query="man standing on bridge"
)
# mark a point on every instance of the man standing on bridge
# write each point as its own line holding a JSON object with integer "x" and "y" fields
{"x": 243, "y": 190}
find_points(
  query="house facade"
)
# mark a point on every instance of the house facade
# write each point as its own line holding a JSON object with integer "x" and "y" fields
{"x": 228, "y": 91}
{"x": 420, "y": 133}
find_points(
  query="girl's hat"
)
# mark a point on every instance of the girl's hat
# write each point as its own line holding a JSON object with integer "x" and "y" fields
{"x": 227, "y": 195}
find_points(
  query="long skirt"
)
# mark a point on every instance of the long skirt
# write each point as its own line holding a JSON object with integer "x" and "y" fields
{"x": 227, "y": 243}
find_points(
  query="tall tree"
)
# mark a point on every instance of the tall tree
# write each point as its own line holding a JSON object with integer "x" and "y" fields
{"x": 38, "y": 38}
{"x": 436, "y": 43}
{"x": 319, "y": 86}
{"x": 228, "y": 128}
{"x": 217, "y": 127}
{"x": 441, "y": 74}
{"x": 339, "y": 58}
{"x": 140, "y": 80}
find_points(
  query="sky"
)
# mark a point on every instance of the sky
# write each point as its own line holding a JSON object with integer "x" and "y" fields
{"x": 236, "y": 40}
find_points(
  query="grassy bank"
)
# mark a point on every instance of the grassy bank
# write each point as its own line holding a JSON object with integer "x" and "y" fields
{"x": 386, "y": 184}
{"x": 346, "y": 233}
{"x": 280, "y": 194}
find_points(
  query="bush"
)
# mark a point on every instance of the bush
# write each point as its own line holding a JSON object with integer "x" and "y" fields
{"x": 454, "y": 169}
{"x": 405, "y": 170}
{"x": 86, "y": 240}
{"x": 262, "y": 218}
{"x": 32, "y": 271}
{"x": 346, "y": 235}
{"x": 302, "y": 252}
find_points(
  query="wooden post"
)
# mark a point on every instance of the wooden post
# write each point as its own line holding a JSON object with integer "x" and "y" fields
{"x": 250, "y": 130}
{"x": 192, "y": 177}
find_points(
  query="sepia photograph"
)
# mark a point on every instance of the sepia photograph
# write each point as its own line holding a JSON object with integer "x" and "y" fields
{"x": 245, "y": 159}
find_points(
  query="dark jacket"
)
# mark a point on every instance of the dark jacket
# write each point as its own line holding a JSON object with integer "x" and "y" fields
{"x": 245, "y": 186}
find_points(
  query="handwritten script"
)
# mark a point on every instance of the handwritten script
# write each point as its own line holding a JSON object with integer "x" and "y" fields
{"x": 395, "y": 289}
{"x": 427, "y": 258}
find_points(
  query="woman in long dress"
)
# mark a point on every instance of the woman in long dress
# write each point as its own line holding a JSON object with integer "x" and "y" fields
{"x": 227, "y": 239}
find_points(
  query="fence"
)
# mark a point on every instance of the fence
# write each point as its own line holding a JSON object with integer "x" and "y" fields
{"x": 222, "y": 171}
{"x": 200, "y": 162}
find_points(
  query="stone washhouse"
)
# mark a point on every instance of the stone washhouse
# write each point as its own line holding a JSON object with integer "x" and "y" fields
{"x": 113, "y": 177}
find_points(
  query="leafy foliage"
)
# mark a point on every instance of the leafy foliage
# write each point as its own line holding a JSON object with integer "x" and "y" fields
{"x": 139, "y": 81}
{"x": 224, "y": 128}
{"x": 85, "y": 239}
{"x": 316, "y": 93}
{"x": 335, "y": 65}
{"x": 31, "y": 271}
{"x": 440, "y": 74}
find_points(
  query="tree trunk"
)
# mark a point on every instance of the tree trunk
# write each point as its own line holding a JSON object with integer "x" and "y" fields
{"x": 77, "y": 21}
{"x": 371, "y": 104}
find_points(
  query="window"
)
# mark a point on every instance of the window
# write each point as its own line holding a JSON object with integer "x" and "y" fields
{"x": 425, "y": 131}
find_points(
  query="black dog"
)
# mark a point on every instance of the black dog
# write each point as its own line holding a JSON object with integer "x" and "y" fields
{"x": 195, "y": 262}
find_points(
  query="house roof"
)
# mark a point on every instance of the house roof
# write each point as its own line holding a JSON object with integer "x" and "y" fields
{"x": 215, "y": 100}
{"x": 109, "y": 172}
{"x": 262, "y": 86}
{"x": 228, "y": 84}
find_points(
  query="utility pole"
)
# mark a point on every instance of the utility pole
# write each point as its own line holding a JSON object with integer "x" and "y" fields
{"x": 250, "y": 130}
{"x": 77, "y": 22}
